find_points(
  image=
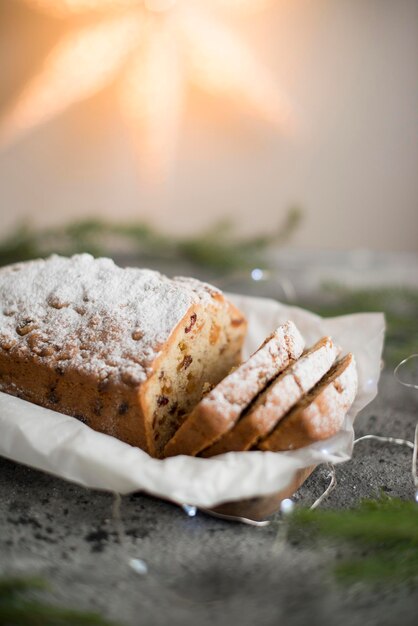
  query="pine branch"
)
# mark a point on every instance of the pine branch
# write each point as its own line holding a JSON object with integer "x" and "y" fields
{"x": 217, "y": 248}
{"x": 11, "y": 587}
{"x": 400, "y": 305}
{"x": 387, "y": 529}
{"x": 399, "y": 566}
{"x": 19, "y": 608}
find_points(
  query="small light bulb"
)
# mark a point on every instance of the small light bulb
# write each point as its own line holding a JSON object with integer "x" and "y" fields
{"x": 257, "y": 274}
{"x": 286, "y": 506}
{"x": 139, "y": 566}
{"x": 189, "y": 510}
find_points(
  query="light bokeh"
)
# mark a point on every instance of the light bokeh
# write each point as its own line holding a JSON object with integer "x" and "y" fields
{"x": 349, "y": 160}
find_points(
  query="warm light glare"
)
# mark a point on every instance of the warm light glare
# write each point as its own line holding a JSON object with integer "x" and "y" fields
{"x": 80, "y": 65}
{"x": 151, "y": 97}
{"x": 221, "y": 64}
{"x": 159, "y": 6}
{"x": 63, "y": 8}
{"x": 239, "y": 6}
{"x": 151, "y": 50}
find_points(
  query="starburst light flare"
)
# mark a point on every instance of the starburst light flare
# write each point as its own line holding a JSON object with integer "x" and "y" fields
{"x": 83, "y": 63}
{"x": 150, "y": 49}
{"x": 63, "y": 8}
{"x": 221, "y": 64}
{"x": 238, "y": 6}
{"x": 151, "y": 99}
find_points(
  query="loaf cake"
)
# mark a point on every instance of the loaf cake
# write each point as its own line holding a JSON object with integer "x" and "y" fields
{"x": 127, "y": 351}
{"x": 320, "y": 414}
{"x": 277, "y": 399}
{"x": 220, "y": 409}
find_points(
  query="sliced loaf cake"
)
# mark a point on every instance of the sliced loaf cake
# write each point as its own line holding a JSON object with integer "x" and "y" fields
{"x": 277, "y": 399}
{"x": 127, "y": 351}
{"x": 221, "y": 408}
{"x": 320, "y": 414}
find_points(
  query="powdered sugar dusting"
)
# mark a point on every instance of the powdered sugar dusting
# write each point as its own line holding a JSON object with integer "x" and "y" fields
{"x": 278, "y": 398}
{"x": 321, "y": 413}
{"x": 296, "y": 380}
{"x": 238, "y": 389}
{"x": 310, "y": 368}
{"x": 331, "y": 405}
{"x": 90, "y": 314}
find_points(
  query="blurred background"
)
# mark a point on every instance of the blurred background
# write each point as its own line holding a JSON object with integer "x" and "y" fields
{"x": 181, "y": 114}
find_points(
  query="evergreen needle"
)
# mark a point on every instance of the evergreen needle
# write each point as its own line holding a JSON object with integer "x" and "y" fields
{"x": 384, "y": 532}
{"x": 19, "y": 608}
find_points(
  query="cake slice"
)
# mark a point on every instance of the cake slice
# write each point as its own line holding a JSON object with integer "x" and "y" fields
{"x": 220, "y": 408}
{"x": 277, "y": 399}
{"x": 127, "y": 351}
{"x": 320, "y": 414}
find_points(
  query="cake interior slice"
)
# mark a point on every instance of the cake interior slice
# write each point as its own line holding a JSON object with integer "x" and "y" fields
{"x": 200, "y": 352}
{"x": 320, "y": 414}
{"x": 277, "y": 399}
{"x": 222, "y": 406}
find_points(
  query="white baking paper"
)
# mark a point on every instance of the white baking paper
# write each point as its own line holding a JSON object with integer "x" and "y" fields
{"x": 65, "y": 447}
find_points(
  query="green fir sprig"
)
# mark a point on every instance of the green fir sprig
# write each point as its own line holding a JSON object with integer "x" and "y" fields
{"x": 399, "y": 304}
{"x": 381, "y": 536}
{"x": 219, "y": 248}
{"x": 20, "y": 606}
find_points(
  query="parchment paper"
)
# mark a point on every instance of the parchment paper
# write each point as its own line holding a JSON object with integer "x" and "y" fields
{"x": 65, "y": 447}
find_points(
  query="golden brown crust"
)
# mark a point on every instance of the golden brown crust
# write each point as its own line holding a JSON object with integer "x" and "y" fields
{"x": 82, "y": 336}
{"x": 279, "y": 397}
{"x": 320, "y": 414}
{"x": 107, "y": 406}
{"x": 220, "y": 408}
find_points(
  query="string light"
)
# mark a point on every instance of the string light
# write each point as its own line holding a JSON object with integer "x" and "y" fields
{"x": 331, "y": 486}
{"x": 398, "y": 370}
{"x": 236, "y": 518}
{"x": 287, "y": 506}
{"x": 257, "y": 274}
{"x": 139, "y": 566}
{"x": 189, "y": 510}
{"x": 277, "y": 279}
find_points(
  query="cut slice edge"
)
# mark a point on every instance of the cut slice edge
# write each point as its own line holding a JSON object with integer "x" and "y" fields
{"x": 218, "y": 411}
{"x": 320, "y": 414}
{"x": 263, "y": 415}
{"x": 201, "y": 350}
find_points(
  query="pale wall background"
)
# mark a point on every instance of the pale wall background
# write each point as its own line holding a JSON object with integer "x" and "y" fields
{"x": 350, "y": 68}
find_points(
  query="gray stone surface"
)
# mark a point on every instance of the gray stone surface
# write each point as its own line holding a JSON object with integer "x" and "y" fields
{"x": 205, "y": 571}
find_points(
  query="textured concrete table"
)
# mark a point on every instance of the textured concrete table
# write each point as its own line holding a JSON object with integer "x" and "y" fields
{"x": 201, "y": 570}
